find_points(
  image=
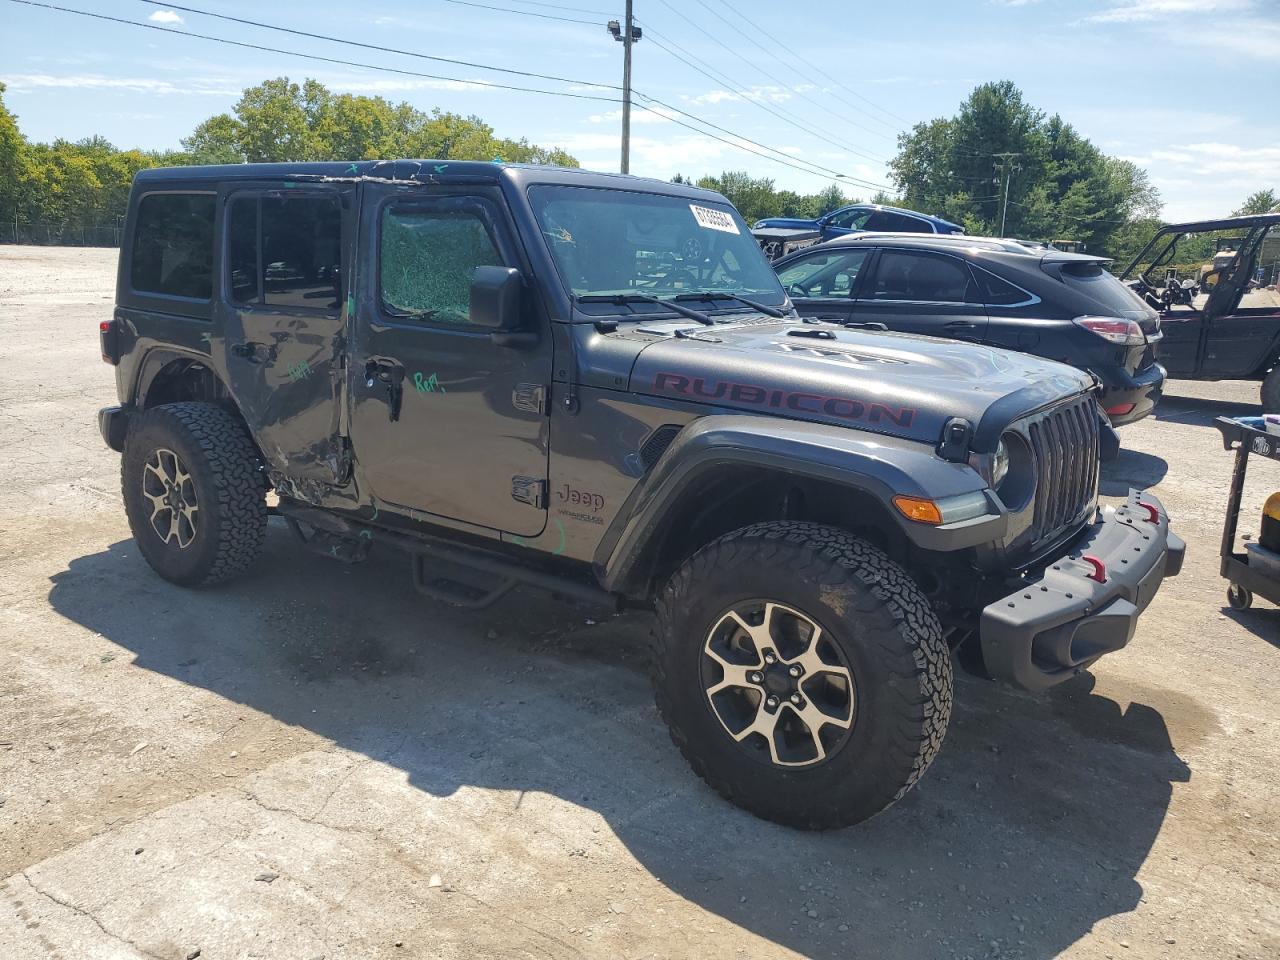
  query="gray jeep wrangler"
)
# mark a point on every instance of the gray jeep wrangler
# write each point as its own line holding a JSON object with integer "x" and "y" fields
{"x": 595, "y": 384}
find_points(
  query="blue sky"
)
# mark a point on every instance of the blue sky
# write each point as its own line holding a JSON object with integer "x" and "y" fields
{"x": 1188, "y": 89}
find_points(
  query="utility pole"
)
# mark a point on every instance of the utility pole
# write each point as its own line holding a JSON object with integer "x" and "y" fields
{"x": 1007, "y": 169}
{"x": 626, "y": 37}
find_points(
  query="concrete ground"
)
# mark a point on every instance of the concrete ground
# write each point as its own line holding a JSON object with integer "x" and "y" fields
{"x": 316, "y": 762}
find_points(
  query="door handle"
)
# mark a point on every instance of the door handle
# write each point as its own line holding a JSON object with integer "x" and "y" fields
{"x": 960, "y": 325}
{"x": 390, "y": 375}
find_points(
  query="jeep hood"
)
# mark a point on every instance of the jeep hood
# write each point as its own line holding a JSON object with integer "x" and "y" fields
{"x": 893, "y": 383}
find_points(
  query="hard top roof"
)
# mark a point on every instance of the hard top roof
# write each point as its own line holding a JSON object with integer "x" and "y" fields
{"x": 422, "y": 171}
{"x": 1225, "y": 223}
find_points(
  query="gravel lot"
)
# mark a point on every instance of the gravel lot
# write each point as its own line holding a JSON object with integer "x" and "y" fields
{"x": 316, "y": 762}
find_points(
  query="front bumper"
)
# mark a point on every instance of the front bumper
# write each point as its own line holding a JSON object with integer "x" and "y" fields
{"x": 113, "y": 422}
{"x": 1086, "y": 603}
{"x": 1143, "y": 389}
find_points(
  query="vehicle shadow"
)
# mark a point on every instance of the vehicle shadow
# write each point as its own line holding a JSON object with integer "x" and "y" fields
{"x": 1131, "y": 468}
{"x": 1029, "y": 829}
{"x": 1202, "y": 411}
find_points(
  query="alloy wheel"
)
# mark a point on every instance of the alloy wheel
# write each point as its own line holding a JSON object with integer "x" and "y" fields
{"x": 168, "y": 487}
{"x": 778, "y": 684}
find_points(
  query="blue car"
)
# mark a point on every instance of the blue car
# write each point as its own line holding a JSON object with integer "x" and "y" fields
{"x": 863, "y": 217}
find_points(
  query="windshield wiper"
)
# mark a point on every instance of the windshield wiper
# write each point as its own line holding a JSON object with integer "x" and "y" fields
{"x": 725, "y": 295}
{"x": 619, "y": 299}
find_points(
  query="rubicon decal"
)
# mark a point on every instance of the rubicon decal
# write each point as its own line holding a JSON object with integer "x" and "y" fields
{"x": 700, "y": 388}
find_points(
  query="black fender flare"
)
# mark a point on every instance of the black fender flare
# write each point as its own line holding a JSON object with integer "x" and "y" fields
{"x": 866, "y": 463}
{"x": 159, "y": 358}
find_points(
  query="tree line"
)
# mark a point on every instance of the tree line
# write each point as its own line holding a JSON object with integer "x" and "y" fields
{"x": 1059, "y": 185}
{"x": 71, "y": 184}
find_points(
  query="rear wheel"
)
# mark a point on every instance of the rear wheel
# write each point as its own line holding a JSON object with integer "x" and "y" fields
{"x": 802, "y": 673}
{"x": 194, "y": 493}
{"x": 1271, "y": 391}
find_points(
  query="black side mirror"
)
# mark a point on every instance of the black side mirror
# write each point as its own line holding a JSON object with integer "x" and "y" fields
{"x": 495, "y": 298}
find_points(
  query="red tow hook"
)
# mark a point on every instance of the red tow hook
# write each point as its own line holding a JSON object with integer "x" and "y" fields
{"x": 1099, "y": 568}
{"x": 1153, "y": 512}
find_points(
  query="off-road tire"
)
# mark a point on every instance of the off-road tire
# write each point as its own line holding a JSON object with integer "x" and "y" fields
{"x": 226, "y": 472}
{"x": 885, "y": 629}
{"x": 1271, "y": 391}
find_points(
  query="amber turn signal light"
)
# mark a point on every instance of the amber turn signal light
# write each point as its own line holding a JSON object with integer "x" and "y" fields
{"x": 916, "y": 508}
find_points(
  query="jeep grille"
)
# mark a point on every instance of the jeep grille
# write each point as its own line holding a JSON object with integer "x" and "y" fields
{"x": 1064, "y": 441}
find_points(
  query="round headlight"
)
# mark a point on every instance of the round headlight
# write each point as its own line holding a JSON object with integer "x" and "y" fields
{"x": 999, "y": 465}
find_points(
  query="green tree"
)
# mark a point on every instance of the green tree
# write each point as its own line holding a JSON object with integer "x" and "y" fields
{"x": 14, "y": 163}
{"x": 1059, "y": 184}
{"x": 1264, "y": 201}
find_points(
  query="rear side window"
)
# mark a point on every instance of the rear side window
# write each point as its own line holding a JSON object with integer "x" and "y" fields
{"x": 996, "y": 292}
{"x": 896, "y": 223}
{"x": 428, "y": 255}
{"x": 173, "y": 246}
{"x": 286, "y": 252}
{"x": 907, "y": 275}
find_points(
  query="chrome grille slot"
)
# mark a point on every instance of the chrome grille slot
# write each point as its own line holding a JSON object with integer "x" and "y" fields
{"x": 1064, "y": 442}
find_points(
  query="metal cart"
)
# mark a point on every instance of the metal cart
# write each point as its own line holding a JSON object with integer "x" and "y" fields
{"x": 1245, "y": 579}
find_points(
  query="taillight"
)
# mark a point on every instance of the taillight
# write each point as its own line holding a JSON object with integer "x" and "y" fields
{"x": 1127, "y": 333}
{"x": 108, "y": 333}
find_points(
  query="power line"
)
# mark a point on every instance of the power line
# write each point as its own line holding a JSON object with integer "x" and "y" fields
{"x": 740, "y": 91}
{"x": 736, "y": 55}
{"x": 373, "y": 46}
{"x": 809, "y": 167}
{"x": 320, "y": 36}
{"x": 311, "y": 56}
{"x": 523, "y": 13}
{"x": 769, "y": 53}
{"x": 785, "y": 163}
{"x": 560, "y": 6}
{"x": 815, "y": 67}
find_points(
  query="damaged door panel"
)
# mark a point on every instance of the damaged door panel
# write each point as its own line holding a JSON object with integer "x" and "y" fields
{"x": 285, "y": 264}
{"x": 443, "y": 416}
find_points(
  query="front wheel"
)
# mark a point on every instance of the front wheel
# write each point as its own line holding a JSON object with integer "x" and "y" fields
{"x": 802, "y": 673}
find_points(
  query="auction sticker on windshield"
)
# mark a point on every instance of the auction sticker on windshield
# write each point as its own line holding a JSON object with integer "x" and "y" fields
{"x": 713, "y": 219}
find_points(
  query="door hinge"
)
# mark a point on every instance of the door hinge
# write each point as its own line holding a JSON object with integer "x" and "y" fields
{"x": 529, "y": 490}
{"x": 530, "y": 397}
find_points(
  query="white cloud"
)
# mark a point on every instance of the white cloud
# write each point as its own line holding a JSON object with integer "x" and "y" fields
{"x": 165, "y": 16}
{"x": 1132, "y": 11}
{"x": 26, "y": 82}
{"x": 768, "y": 94}
{"x": 639, "y": 114}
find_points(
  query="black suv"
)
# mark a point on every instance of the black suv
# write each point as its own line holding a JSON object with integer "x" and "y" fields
{"x": 1003, "y": 293}
{"x": 521, "y": 375}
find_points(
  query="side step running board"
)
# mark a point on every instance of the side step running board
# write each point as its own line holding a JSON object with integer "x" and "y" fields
{"x": 493, "y": 575}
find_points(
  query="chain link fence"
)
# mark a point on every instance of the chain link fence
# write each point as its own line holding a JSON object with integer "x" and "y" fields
{"x": 48, "y": 233}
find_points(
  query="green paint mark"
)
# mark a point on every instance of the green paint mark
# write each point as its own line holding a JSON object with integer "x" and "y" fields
{"x": 518, "y": 541}
{"x": 428, "y": 385}
{"x": 290, "y": 183}
{"x": 560, "y": 549}
{"x": 351, "y": 305}
{"x": 441, "y": 167}
{"x": 366, "y": 534}
{"x": 353, "y": 169}
{"x": 299, "y": 372}
{"x": 375, "y": 512}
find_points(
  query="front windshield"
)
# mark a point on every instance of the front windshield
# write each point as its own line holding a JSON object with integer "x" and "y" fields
{"x": 609, "y": 242}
